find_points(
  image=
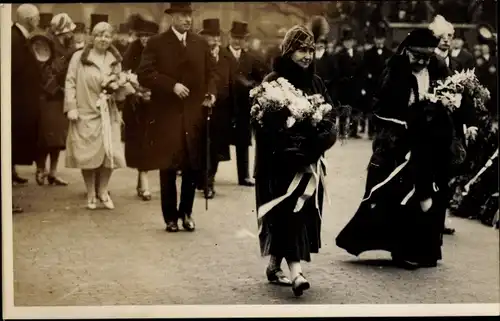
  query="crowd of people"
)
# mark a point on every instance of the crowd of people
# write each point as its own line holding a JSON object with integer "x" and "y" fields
{"x": 60, "y": 105}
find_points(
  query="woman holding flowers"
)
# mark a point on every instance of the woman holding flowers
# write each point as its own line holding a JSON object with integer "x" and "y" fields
{"x": 94, "y": 138}
{"x": 295, "y": 124}
{"x": 406, "y": 196}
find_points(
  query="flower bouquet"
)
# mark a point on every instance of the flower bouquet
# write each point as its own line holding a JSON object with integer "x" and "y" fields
{"x": 279, "y": 96}
{"x": 449, "y": 92}
{"x": 123, "y": 84}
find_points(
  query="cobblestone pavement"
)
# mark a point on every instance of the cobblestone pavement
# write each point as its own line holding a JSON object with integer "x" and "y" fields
{"x": 66, "y": 255}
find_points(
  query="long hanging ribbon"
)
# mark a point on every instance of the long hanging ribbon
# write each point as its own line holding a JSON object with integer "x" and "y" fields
{"x": 318, "y": 171}
{"x": 103, "y": 105}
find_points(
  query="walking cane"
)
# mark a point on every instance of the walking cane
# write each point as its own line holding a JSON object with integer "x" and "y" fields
{"x": 207, "y": 164}
{"x": 475, "y": 178}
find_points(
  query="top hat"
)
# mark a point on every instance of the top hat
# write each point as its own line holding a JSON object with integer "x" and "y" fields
{"x": 211, "y": 27}
{"x": 239, "y": 29}
{"x": 347, "y": 33}
{"x": 80, "y": 27}
{"x": 96, "y": 18}
{"x": 179, "y": 7}
{"x": 380, "y": 29}
{"x": 45, "y": 19}
{"x": 123, "y": 28}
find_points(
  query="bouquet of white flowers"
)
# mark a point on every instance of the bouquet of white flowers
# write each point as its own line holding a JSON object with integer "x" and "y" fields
{"x": 449, "y": 92}
{"x": 281, "y": 96}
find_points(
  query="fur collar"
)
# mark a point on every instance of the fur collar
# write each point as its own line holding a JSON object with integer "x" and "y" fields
{"x": 286, "y": 68}
{"x": 112, "y": 49}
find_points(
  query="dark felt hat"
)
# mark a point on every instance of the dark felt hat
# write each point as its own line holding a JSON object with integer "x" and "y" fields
{"x": 147, "y": 27}
{"x": 45, "y": 19}
{"x": 123, "y": 28}
{"x": 80, "y": 27}
{"x": 211, "y": 27}
{"x": 422, "y": 38}
{"x": 96, "y": 18}
{"x": 239, "y": 29}
{"x": 179, "y": 7}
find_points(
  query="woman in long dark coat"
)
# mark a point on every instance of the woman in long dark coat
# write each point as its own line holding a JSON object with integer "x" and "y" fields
{"x": 283, "y": 233}
{"x": 53, "y": 128}
{"x": 403, "y": 209}
{"x": 135, "y": 108}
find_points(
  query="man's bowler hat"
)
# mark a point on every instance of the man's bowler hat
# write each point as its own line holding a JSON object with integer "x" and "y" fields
{"x": 179, "y": 7}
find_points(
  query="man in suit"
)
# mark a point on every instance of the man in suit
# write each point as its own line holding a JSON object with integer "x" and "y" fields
{"x": 246, "y": 76}
{"x": 459, "y": 53}
{"x": 179, "y": 69}
{"x": 349, "y": 61}
{"x": 373, "y": 65}
{"x": 26, "y": 90}
{"x": 121, "y": 42}
{"x": 220, "y": 123}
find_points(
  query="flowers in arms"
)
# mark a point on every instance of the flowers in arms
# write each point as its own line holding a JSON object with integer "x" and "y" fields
{"x": 281, "y": 96}
{"x": 449, "y": 92}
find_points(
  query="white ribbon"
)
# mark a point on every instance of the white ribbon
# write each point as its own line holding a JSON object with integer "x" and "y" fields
{"x": 103, "y": 105}
{"x": 318, "y": 171}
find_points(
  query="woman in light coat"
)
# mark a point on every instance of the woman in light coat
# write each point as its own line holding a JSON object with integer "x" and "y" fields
{"x": 94, "y": 137}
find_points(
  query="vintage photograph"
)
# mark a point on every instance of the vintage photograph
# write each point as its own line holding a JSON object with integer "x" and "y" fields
{"x": 250, "y": 153}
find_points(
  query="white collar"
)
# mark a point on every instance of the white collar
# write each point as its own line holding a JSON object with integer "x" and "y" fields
{"x": 441, "y": 53}
{"x": 24, "y": 31}
{"x": 180, "y": 36}
{"x": 235, "y": 52}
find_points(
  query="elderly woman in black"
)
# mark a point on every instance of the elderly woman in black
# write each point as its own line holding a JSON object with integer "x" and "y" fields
{"x": 280, "y": 155}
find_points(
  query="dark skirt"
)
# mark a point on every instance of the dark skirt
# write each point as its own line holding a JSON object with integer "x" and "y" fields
{"x": 53, "y": 126}
{"x": 383, "y": 223}
{"x": 293, "y": 236}
{"x": 135, "y": 133}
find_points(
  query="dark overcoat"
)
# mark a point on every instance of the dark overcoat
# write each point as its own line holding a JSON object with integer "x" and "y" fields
{"x": 174, "y": 132}
{"x": 53, "y": 129}
{"x": 246, "y": 75}
{"x": 222, "y": 113}
{"x": 411, "y": 161}
{"x": 134, "y": 114}
{"x": 26, "y": 93}
{"x": 349, "y": 82}
{"x": 371, "y": 69}
{"x": 327, "y": 70}
{"x": 465, "y": 59}
{"x": 283, "y": 233}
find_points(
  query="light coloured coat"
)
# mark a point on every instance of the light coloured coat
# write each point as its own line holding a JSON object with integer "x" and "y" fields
{"x": 85, "y": 141}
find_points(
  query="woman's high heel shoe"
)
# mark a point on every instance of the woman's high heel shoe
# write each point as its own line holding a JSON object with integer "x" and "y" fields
{"x": 92, "y": 203}
{"x": 107, "y": 201}
{"x": 299, "y": 285}
{"x": 40, "y": 177}
{"x": 145, "y": 195}
{"x": 53, "y": 180}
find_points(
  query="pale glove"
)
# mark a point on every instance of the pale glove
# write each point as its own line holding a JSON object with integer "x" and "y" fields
{"x": 72, "y": 114}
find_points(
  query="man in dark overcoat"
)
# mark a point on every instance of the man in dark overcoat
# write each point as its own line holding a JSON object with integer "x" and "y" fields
{"x": 349, "y": 61}
{"x": 459, "y": 53}
{"x": 374, "y": 61}
{"x": 220, "y": 123}
{"x": 326, "y": 67}
{"x": 246, "y": 76}
{"x": 26, "y": 88}
{"x": 178, "y": 68}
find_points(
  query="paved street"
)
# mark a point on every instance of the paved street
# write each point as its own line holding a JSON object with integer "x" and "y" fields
{"x": 66, "y": 255}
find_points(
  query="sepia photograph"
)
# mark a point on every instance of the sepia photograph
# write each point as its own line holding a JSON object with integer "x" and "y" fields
{"x": 194, "y": 159}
